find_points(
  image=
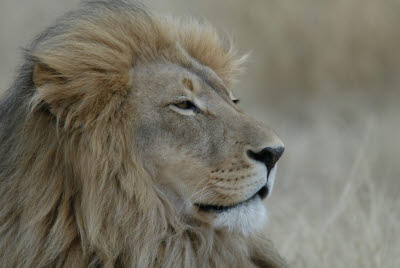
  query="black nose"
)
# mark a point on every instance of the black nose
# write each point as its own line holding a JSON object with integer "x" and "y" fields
{"x": 269, "y": 156}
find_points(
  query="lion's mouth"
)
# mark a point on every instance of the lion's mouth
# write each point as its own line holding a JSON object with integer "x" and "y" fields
{"x": 262, "y": 193}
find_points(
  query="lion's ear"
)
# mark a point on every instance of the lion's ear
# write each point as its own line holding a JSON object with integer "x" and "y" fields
{"x": 47, "y": 82}
{"x": 44, "y": 74}
{"x": 77, "y": 89}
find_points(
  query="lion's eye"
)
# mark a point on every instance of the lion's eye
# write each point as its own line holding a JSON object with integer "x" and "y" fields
{"x": 186, "y": 105}
{"x": 236, "y": 101}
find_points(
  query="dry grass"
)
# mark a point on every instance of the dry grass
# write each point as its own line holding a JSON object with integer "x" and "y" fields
{"x": 325, "y": 75}
{"x": 336, "y": 205}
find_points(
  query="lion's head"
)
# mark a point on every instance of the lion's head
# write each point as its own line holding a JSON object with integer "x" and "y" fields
{"x": 213, "y": 161}
{"x": 123, "y": 124}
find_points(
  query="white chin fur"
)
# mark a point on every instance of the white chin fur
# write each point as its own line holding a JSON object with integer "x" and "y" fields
{"x": 248, "y": 217}
{"x": 245, "y": 218}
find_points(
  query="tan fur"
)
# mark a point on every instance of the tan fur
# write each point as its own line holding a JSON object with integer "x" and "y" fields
{"x": 75, "y": 190}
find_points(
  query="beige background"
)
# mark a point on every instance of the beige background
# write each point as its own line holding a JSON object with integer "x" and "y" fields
{"x": 323, "y": 73}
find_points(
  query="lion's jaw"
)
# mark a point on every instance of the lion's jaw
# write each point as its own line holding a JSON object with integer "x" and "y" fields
{"x": 245, "y": 217}
{"x": 250, "y": 215}
{"x": 209, "y": 160}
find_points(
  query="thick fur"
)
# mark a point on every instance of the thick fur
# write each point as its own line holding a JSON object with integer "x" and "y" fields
{"x": 74, "y": 191}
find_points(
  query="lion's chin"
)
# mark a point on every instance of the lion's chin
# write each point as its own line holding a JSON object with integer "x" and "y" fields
{"x": 245, "y": 218}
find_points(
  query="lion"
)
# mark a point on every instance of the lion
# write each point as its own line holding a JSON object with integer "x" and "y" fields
{"x": 122, "y": 145}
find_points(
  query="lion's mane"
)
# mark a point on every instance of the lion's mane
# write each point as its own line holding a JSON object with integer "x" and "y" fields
{"x": 72, "y": 190}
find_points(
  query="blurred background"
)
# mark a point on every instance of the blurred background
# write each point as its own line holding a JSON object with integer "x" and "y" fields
{"x": 325, "y": 74}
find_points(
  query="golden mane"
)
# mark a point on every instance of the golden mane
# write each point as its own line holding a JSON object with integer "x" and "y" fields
{"x": 72, "y": 190}
{"x": 98, "y": 50}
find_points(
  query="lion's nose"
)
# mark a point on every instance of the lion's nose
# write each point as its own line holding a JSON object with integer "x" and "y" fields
{"x": 269, "y": 156}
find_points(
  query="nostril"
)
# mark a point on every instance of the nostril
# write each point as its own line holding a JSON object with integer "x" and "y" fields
{"x": 269, "y": 156}
{"x": 254, "y": 156}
